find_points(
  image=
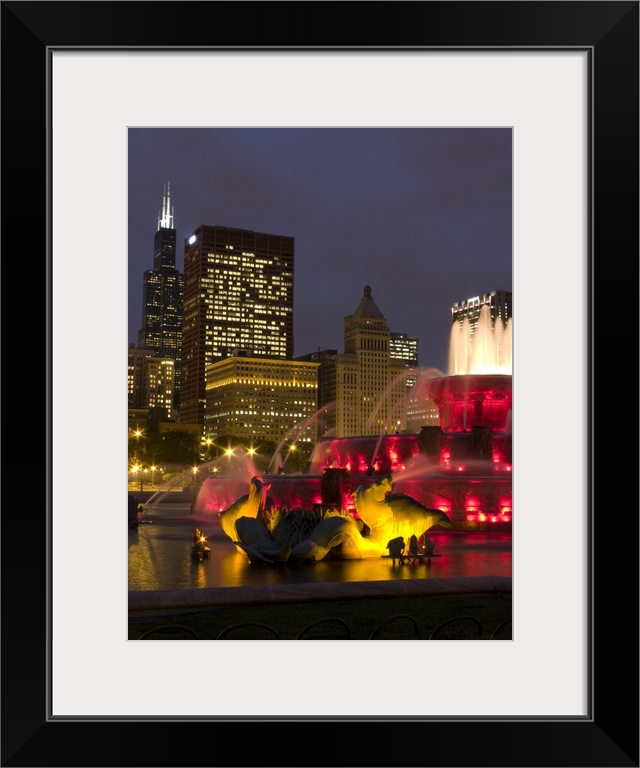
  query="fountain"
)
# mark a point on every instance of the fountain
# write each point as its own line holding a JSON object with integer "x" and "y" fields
{"x": 460, "y": 468}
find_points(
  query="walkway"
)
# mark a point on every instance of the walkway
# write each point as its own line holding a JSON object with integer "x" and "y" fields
{"x": 172, "y": 602}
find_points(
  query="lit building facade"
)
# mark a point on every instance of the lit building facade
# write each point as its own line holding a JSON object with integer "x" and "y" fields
{"x": 161, "y": 329}
{"x": 499, "y": 302}
{"x": 418, "y": 412}
{"x": 420, "y": 409}
{"x": 363, "y": 390}
{"x": 404, "y": 347}
{"x": 151, "y": 381}
{"x": 259, "y": 399}
{"x": 238, "y": 296}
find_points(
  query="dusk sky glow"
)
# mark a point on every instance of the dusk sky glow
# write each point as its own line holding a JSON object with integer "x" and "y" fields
{"x": 422, "y": 215}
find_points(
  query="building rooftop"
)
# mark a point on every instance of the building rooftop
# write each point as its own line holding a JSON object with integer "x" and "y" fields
{"x": 367, "y": 306}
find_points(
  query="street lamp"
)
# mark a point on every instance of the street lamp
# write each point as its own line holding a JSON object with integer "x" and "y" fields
{"x": 138, "y": 435}
{"x": 137, "y": 468}
{"x": 153, "y": 475}
{"x": 195, "y": 472}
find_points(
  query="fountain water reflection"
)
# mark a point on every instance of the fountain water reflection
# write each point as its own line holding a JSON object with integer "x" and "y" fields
{"x": 160, "y": 558}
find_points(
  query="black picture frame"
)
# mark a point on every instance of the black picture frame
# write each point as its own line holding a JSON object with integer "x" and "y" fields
{"x": 608, "y": 737}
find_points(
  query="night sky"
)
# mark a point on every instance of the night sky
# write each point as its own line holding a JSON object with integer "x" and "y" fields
{"x": 422, "y": 215}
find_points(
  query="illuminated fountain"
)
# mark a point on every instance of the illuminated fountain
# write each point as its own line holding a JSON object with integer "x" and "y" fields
{"x": 462, "y": 466}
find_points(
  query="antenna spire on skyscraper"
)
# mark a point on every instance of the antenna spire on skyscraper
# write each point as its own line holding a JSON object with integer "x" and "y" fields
{"x": 165, "y": 218}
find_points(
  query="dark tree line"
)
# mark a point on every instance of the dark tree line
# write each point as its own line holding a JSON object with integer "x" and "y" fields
{"x": 184, "y": 448}
{"x": 164, "y": 448}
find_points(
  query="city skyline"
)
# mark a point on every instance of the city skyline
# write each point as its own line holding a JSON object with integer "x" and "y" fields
{"x": 423, "y": 216}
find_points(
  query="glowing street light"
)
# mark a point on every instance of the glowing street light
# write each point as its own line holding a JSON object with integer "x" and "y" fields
{"x": 195, "y": 472}
{"x": 140, "y": 451}
{"x": 134, "y": 470}
{"x": 209, "y": 452}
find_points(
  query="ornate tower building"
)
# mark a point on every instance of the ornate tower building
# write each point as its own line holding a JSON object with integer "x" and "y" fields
{"x": 370, "y": 384}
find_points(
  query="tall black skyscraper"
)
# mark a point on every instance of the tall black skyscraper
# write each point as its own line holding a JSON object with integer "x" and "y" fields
{"x": 161, "y": 330}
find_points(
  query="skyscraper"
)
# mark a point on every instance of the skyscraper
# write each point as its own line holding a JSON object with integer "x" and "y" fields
{"x": 161, "y": 330}
{"x": 499, "y": 303}
{"x": 404, "y": 347}
{"x": 151, "y": 381}
{"x": 362, "y": 391}
{"x": 238, "y": 297}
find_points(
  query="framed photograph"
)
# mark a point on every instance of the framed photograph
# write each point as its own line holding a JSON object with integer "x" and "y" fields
{"x": 564, "y": 78}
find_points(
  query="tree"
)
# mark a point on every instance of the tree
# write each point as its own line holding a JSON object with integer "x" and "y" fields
{"x": 298, "y": 458}
{"x": 137, "y": 448}
{"x": 176, "y": 448}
